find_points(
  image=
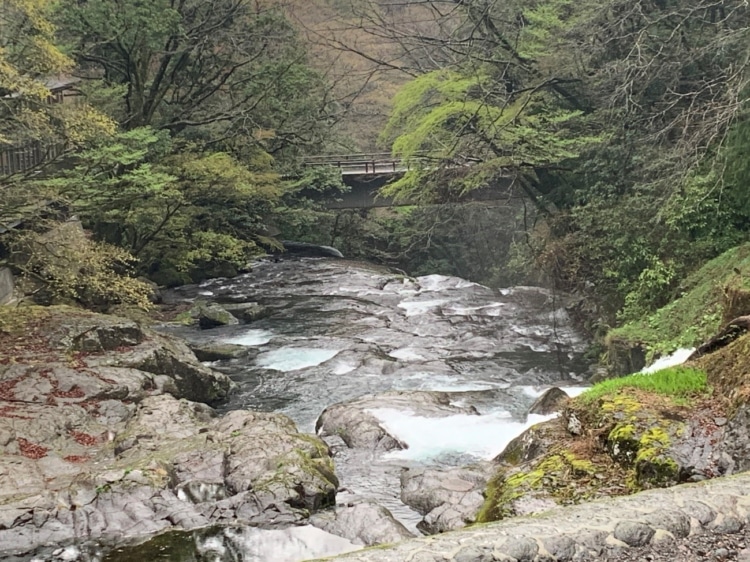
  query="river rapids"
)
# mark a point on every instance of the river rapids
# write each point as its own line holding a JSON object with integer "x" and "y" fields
{"x": 338, "y": 330}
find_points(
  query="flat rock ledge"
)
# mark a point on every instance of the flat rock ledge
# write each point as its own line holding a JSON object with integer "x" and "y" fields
{"x": 583, "y": 532}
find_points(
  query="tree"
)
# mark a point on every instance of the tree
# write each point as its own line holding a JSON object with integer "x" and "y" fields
{"x": 182, "y": 213}
{"x": 227, "y": 72}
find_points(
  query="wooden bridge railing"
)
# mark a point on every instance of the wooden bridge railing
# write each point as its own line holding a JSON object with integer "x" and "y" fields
{"x": 19, "y": 159}
{"x": 367, "y": 163}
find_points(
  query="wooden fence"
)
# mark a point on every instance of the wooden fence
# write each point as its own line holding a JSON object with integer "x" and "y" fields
{"x": 21, "y": 159}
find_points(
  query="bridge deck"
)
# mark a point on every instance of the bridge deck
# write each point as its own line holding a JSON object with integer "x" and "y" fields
{"x": 365, "y": 164}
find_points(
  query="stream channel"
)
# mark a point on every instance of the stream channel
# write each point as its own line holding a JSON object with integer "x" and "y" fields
{"x": 337, "y": 330}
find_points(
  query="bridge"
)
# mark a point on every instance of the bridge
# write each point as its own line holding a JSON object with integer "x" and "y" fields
{"x": 365, "y": 174}
{"x": 368, "y": 164}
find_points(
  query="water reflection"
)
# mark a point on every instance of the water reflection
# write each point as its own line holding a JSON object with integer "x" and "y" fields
{"x": 236, "y": 545}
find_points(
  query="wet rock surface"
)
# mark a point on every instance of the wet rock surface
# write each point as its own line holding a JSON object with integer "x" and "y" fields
{"x": 668, "y": 524}
{"x": 362, "y": 522}
{"x": 447, "y": 498}
{"x": 99, "y": 442}
{"x": 133, "y": 446}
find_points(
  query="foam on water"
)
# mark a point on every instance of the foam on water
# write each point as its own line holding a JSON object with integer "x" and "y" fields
{"x": 481, "y": 436}
{"x": 420, "y": 307}
{"x": 251, "y": 338}
{"x": 436, "y": 282}
{"x": 406, "y": 354}
{"x": 293, "y": 358}
{"x": 343, "y": 368}
{"x": 492, "y": 309}
{"x": 676, "y": 358}
{"x": 442, "y": 383}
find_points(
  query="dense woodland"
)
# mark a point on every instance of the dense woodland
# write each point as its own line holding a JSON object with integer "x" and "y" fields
{"x": 624, "y": 126}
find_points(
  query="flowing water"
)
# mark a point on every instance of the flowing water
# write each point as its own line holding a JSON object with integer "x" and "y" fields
{"x": 338, "y": 330}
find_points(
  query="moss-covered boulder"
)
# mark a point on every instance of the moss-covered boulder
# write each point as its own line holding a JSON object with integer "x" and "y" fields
{"x": 631, "y": 434}
{"x": 211, "y": 315}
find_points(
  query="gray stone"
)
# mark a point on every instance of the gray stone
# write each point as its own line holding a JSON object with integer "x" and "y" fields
{"x": 522, "y": 549}
{"x": 247, "y": 312}
{"x": 575, "y": 427}
{"x": 560, "y": 547}
{"x": 362, "y": 523}
{"x": 591, "y": 539}
{"x": 549, "y": 403}
{"x": 448, "y": 498}
{"x": 726, "y": 524}
{"x": 702, "y": 512}
{"x": 6, "y": 285}
{"x": 633, "y": 533}
{"x": 673, "y": 521}
{"x": 211, "y": 315}
{"x": 217, "y": 351}
{"x": 474, "y": 554}
{"x": 736, "y": 440}
{"x": 533, "y": 442}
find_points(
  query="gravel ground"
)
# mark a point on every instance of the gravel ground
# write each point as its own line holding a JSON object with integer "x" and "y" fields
{"x": 708, "y": 546}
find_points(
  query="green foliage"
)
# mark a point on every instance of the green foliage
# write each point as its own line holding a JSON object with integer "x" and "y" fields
{"x": 696, "y": 312}
{"x": 675, "y": 382}
{"x": 63, "y": 265}
{"x": 233, "y": 74}
{"x": 180, "y": 212}
{"x": 459, "y": 131}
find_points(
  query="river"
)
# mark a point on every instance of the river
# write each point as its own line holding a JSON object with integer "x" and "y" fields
{"x": 337, "y": 330}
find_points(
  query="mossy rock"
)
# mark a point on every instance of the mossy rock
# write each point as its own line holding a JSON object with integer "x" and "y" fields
{"x": 624, "y": 356}
{"x": 210, "y": 315}
{"x": 560, "y": 477}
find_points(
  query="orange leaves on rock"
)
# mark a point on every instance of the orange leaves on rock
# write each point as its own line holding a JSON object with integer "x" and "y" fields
{"x": 31, "y": 450}
{"x": 83, "y": 438}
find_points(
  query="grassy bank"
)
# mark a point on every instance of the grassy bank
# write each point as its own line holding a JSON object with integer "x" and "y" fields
{"x": 706, "y": 299}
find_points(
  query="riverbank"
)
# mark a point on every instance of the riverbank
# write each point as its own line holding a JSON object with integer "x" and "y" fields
{"x": 108, "y": 436}
{"x": 416, "y": 385}
{"x": 628, "y": 528}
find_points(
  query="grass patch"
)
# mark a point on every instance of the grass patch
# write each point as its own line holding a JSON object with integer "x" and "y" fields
{"x": 696, "y": 314}
{"x": 675, "y": 382}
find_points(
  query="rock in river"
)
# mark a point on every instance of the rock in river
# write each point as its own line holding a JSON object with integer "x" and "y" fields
{"x": 363, "y": 522}
{"x": 448, "y": 498}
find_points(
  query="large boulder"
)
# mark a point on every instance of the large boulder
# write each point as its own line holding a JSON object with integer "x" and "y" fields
{"x": 247, "y": 312}
{"x": 363, "y": 522}
{"x": 448, "y": 498}
{"x": 549, "y": 403}
{"x": 357, "y": 423}
{"x": 175, "y": 368}
{"x": 618, "y": 444}
{"x": 217, "y": 351}
{"x": 212, "y": 315}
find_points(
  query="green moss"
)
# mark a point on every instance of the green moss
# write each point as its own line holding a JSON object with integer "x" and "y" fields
{"x": 696, "y": 314}
{"x": 621, "y": 432}
{"x": 555, "y": 474}
{"x": 677, "y": 382}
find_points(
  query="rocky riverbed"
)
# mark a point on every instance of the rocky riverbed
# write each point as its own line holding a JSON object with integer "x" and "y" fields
{"x": 335, "y": 405}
